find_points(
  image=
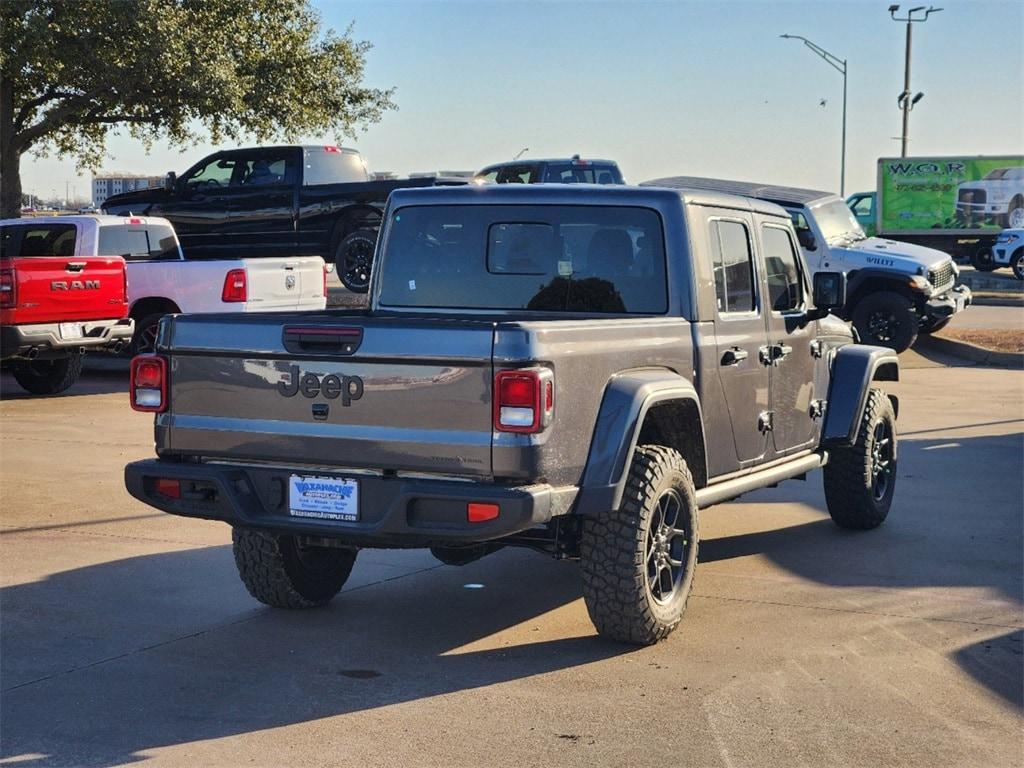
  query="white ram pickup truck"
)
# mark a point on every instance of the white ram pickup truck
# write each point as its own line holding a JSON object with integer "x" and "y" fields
{"x": 161, "y": 281}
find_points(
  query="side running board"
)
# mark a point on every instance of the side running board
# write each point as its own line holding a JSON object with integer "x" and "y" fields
{"x": 730, "y": 489}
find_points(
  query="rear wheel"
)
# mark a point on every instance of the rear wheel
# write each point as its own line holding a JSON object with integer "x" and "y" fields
{"x": 47, "y": 377}
{"x": 282, "y": 572}
{"x": 982, "y": 260}
{"x": 353, "y": 259}
{"x": 144, "y": 339}
{"x": 860, "y": 480}
{"x": 886, "y": 319}
{"x": 638, "y": 562}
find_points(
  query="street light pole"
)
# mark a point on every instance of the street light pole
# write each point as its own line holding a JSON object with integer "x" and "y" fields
{"x": 840, "y": 66}
{"x": 906, "y": 103}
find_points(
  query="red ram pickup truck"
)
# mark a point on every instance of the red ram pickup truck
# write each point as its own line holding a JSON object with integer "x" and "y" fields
{"x": 54, "y": 306}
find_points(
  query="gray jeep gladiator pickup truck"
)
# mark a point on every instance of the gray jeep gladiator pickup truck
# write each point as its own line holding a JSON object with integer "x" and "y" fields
{"x": 575, "y": 369}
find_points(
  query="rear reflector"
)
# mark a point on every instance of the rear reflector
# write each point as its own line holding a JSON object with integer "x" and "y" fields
{"x": 148, "y": 383}
{"x": 481, "y": 513}
{"x": 8, "y": 288}
{"x": 168, "y": 487}
{"x": 235, "y": 286}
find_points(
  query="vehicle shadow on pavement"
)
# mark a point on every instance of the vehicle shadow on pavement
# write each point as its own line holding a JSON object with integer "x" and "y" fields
{"x": 168, "y": 649}
{"x": 997, "y": 663}
{"x": 93, "y": 382}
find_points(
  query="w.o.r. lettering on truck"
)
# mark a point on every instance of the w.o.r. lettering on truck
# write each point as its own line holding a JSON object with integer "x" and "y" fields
{"x": 331, "y": 386}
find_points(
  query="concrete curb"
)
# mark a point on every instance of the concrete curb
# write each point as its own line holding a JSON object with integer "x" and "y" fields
{"x": 1005, "y": 300}
{"x": 972, "y": 352}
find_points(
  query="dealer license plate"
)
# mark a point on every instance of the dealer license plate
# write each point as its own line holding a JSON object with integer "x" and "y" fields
{"x": 323, "y": 498}
{"x": 70, "y": 330}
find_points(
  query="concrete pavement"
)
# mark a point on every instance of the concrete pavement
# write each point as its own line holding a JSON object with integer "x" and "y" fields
{"x": 127, "y": 637}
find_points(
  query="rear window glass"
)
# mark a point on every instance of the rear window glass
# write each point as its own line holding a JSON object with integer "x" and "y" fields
{"x": 137, "y": 243}
{"x": 594, "y": 259}
{"x": 37, "y": 240}
{"x": 332, "y": 167}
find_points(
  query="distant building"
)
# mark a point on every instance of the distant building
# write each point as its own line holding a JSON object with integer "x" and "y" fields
{"x": 106, "y": 184}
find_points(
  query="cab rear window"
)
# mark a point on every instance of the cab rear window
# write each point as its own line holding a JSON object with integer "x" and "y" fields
{"x": 134, "y": 242}
{"x": 28, "y": 240}
{"x": 592, "y": 259}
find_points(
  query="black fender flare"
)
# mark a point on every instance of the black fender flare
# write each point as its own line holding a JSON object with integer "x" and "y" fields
{"x": 854, "y": 367}
{"x": 358, "y": 212}
{"x": 899, "y": 281}
{"x": 627, "y": 399}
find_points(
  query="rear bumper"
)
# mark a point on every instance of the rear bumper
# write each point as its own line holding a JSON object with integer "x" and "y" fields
{"x": 948, "y": 304}
{"x": 393, "y": 511}
{"x": 46, "y": 338}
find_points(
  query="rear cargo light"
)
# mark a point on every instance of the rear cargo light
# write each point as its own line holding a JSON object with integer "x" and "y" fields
{"x": 477, "y": 512}
{"x": 235, "y": 286}
{"x": 134, "y": 221}
{"x": 148, "y": 383}
{"x": 168, "y": 487}
{"x": 524, "y": 400}
{"x": 8, "y": 288}
{"x": 330, "y": 148}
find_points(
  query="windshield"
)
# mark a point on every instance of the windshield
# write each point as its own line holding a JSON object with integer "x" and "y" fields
{"x": 836, "y": 220}
{"x": 598, "y": 259}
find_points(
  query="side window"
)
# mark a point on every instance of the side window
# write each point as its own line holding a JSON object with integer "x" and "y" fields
{"x": 733, "y": 265}
{"x": 785, "y": 288}
{"x": 216, "y": 173}
{"x": 862, "y": 206}
{"x": 263, "y": 170}
{"x": 130, "y": 242}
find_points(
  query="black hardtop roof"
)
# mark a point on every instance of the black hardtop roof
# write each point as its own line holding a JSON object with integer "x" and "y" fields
{"x": 770, "y": 192}
{"x": 576, "y": 194}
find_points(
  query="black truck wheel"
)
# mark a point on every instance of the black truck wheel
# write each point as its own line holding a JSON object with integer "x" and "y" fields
{"x": 638, "y": 562}
{"x": 281, "y": 572}
{"x": 860, "y": 479}
{"x": 886, "y": 319}
{"x": 354, "y": 259}
{"x": 982, "y": 260}
{"x": 934, "y": 326}
{"x": 47, "y": 377}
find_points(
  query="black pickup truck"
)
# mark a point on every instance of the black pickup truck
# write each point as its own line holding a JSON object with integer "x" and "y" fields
{"x": 572, "y": 368}
{"x": 274, "y": 201}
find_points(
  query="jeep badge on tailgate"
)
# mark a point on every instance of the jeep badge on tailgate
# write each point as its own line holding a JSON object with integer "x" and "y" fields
{"x": 330, "y": 386}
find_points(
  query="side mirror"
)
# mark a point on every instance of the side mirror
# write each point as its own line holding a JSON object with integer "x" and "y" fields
{"x": 806, "y": 239}
{"x": 829, "y": 292}
{"x": 170, "y": 181}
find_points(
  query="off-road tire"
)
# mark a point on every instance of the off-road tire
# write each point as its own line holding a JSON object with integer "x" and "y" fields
{"x": 896, "y": 311}
{"x": 47, "y": 377}
{"x": 614, "y": 559}
{"x": 1017, "y": 264}
{"x": 850, "y": 480}
{"x": 929, "y": 327}
{"x": 982, "y": 260}
{"x": 276, "y": 571}
{"x": 353, "y": 259}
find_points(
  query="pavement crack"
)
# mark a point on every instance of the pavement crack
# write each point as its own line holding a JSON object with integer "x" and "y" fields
{"x": 857, "y": 611}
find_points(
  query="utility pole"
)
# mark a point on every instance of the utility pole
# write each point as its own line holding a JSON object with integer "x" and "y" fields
{"x": 904, "y": 101}
{"x": 840, "y": 65}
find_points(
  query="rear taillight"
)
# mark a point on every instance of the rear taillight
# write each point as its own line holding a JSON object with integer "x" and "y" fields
{"x": 235, "y": 286}
{"x": 524, "y": 400}
{"x": 325, "y": 281}
{"x": 8, "y": 288}
{"x": 148, "y": 383}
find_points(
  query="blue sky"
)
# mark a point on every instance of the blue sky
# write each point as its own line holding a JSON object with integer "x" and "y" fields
{"x": 696, "y": 88}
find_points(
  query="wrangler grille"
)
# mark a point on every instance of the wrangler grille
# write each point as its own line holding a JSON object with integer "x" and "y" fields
{"x": 942, "y": 275}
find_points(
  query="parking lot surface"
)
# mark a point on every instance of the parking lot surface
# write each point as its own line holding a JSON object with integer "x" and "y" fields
{"x": 128, "y": 638}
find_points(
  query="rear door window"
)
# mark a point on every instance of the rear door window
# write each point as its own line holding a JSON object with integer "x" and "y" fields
{"x": 733, "y": 266}
{"x": 38, "y": 240}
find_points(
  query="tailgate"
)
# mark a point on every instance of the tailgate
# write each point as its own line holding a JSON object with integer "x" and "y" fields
{"x": 282, "y": 284}
{"x": 332, "y": 390}
{"x": 57, "y": 288}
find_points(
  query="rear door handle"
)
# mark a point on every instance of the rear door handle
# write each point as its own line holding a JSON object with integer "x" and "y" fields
{"x": 734, "y": 356}
{"x": 781, "y": 350}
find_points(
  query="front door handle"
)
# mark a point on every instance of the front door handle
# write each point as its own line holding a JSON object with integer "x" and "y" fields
{"x": 734, "y": 356}
{"x": 779, "y": 351}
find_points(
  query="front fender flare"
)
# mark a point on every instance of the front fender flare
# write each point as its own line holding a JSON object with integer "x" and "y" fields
{"x": 854, "y": 368}
{"x": 627, "y": 399}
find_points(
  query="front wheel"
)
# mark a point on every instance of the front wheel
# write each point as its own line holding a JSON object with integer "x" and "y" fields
{"x": 47, "y": 377}
{"x": 860, "y": 479}
{"x": 1015, "y": 214}
{"x": 638, "y": 562}
{"x": 982, "y": 260}
{"x": 934, "y": 326}
{"x": 353, "y": 259}
{"x": 886, "y": 319}
{"x": 282, "y": 572}
{"x": 1017, "y": 263}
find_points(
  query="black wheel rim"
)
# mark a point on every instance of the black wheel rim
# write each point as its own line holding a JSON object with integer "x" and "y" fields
{"x": 883, "y": 325}
{"x": 666, "y": 547}
{"x": 1018, "y": 269}
{"x": 883, "y": 462}
{"x": 147, "y": 338}
{"x": 356, "y": 269}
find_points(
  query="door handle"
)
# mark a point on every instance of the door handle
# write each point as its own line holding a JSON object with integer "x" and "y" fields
{"x": 779, "y": 351}
{"x": 734, "y": 356}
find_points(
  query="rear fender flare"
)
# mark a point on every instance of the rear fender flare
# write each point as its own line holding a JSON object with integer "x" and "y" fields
{"x": 854, "y": 368}
{"x": 627, "y": 399}
{"x": 351, "y": 218}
